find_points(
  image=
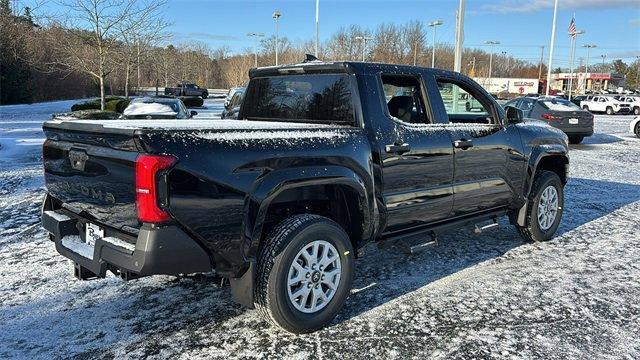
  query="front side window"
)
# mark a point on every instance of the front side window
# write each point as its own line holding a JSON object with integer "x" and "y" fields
{"x": 322, "y": 98}
{"x": 463, "y": 106}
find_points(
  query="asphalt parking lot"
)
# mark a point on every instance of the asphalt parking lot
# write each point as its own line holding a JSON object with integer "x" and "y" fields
{"x": 488, "y": 295}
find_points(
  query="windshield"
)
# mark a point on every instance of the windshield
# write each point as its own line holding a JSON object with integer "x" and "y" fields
{"x": 323, "y": 98}
{"x": 559, "y": 105}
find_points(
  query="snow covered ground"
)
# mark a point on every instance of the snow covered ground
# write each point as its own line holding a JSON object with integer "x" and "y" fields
{"x": 491, "y": 295}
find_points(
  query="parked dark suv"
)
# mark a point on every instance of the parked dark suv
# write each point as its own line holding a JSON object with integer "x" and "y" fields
{"x": 324, "y": 159}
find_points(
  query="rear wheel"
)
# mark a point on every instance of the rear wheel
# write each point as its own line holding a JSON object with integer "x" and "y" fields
{"x": 637, "y": 129}
{"x": 585, "y": 108}
{"x": 305, "y": 270}
{"x": 205, "y": 95}
{"x": 609, "y": 110}
{"x": 544, "y": 209}
{"x": 575, "y": 139}
{"x": 636, "y": 110}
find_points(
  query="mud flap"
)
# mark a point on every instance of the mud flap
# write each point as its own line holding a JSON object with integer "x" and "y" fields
{"x": 242, "y": 287}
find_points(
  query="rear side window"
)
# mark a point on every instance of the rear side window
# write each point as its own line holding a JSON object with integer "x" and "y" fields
{"x": 322, "y": 98}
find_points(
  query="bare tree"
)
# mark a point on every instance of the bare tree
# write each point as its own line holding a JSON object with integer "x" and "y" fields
{"x": 139, "y": 33}
{"x": 92, "y": 36}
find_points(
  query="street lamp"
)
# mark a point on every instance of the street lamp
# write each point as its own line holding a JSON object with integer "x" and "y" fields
{"x": 255, "y": 47}
{"x": 364, "y": 40}
{"x": 491, "y": 43}
{"x": 433, "y": 24}
{"x": 586, "y": 65}
{"x": 603, "y": 56}
{"x": 276, "y": 15}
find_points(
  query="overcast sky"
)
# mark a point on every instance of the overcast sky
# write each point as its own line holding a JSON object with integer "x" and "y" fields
{"x": 521, "y": 26}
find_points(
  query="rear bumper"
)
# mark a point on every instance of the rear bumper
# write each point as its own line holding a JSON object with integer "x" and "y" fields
{"x": 576, "y": 130}
{"x": 158, "y": 249}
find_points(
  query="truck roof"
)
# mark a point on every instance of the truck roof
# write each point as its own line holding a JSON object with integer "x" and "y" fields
{"x": 350, "y": 67}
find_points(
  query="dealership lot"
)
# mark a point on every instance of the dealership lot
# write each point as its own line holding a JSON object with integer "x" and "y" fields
{"x": 489, "y": 295}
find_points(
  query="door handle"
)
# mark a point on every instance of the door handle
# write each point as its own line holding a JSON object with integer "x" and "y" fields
{"x": 463, "y": 144}
{"x": 397, "y": 148}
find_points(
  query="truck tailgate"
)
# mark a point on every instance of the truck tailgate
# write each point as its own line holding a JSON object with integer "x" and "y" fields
{"x": 93, "y": 174}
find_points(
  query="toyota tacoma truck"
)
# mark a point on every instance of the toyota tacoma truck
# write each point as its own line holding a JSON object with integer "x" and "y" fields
{"x": 324, "y": 158}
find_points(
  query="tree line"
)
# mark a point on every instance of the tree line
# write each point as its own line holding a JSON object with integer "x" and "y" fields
{"x": 107, "y": 47}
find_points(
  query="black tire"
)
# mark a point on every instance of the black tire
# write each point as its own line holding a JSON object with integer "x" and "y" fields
{"x": 531, "y": 231}
{"x": 205, "y": 95}
{"x": 275, "y": 257}
{"x": 575, "y": 139}
{"x": 585, "y": 108}
{"x": 636, "y": 110}
{"x": 637, "y": 129}
{"x": 609, "y": 110}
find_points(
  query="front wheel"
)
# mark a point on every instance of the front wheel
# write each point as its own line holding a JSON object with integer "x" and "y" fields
{"x": 637, "y": 130}
{"x": 305, "y": 270}
{"x": 205, "y": 95}
{"x": 609, "y": 110}
{"x": 585, "y": 108}
{"x": 575, "y": 139}
{"x": 544, "y": 207}
{"x": 636, "y": 110}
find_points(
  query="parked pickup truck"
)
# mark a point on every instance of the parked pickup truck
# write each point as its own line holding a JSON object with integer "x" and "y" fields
{"x": 187, "y": 90}
{"x": 282, "y": 201}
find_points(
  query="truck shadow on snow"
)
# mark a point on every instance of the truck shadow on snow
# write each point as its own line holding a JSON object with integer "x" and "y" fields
{"x": 383, "y": 275}
{"x": 153, "y": 309}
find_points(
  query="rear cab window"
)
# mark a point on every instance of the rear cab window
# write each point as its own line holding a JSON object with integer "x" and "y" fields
{"x": 309, "y": 98}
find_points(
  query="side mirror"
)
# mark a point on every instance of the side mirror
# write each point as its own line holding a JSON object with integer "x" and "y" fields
{"x": 514, "y": 115}
{"x": 193, "y": 113}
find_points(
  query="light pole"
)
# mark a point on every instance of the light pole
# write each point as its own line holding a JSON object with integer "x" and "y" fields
{"x": 491, "y": 43}
{"x": 603, "y": 56}
{"x": 364, "y": 40}
{"x": 434, "y": 24}
{"x": 586, "y": 65}
{"x": 574, "y": 37}
{"x": 504, "y": 54}
{"x": 255, "y": 46}
{"x": 553, "y": 39}
{"x": 317, "y": 27}
{"x": 276, "y": 16}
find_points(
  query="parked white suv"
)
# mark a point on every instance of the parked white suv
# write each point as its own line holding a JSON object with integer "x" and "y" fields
{"x": 633, "y": 101}
{"x": 606, "y": 104}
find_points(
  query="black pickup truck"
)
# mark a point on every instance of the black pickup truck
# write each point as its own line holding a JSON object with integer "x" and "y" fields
{"x": 187, "y": 90}
{"x": 325, "y": 158}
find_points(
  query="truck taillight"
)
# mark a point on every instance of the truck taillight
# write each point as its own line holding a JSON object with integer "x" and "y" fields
{"x": 147, "y": 169}
{"x": 549, "y": 117}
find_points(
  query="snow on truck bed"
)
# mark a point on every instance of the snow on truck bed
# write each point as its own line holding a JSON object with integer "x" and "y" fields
{"x": 186, "y": 124}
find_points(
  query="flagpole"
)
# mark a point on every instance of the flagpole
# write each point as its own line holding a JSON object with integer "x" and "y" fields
{"x": 571, "y": 56}
{"x": 553, "y": 39}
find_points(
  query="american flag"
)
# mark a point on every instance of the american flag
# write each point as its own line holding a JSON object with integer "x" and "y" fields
{"x": 572, "y": 28}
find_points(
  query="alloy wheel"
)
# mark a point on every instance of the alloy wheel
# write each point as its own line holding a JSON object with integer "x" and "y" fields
{"x": 547, "y": 208}
{"x": 314, "y": 276}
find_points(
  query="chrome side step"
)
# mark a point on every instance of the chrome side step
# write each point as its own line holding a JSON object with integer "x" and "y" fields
{"x": 493, "y": 225}
{"x": 414, "y": 244}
